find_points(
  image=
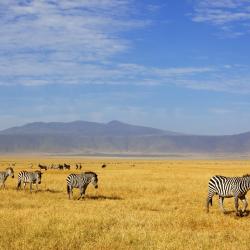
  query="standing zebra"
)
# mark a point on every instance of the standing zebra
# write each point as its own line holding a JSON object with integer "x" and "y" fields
{"x": 29, "y": 177}
{"x": 81, "y": 181}
{"x": 4, "y": 175}
{"x": 227, "y": 187}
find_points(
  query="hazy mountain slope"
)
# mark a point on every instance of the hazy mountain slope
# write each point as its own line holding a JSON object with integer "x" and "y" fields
{"x": 114, "y": 128}
{"x": 114, "y": 137}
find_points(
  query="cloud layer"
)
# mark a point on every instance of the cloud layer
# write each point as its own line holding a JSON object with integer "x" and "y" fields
{"x": 232, "y": 16}
{"x": 81, "y": 42}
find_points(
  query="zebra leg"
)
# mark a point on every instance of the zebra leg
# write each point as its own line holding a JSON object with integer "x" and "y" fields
{"x": 69, "y": 191}
{"x": 24, "y": 185}
{"x": 245, "y": 204}
{"x": 236, "y": 203}
{"x": 221, "y": 199}
{"x": 209, "y": 201}
{"x": 30, "y": 186}
{"x": 81, "y": 192}
{"x": 19, "y": 184}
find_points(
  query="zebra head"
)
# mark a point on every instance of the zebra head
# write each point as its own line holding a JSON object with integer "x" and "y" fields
{"x": 10, "y": 172}
{"x": 38, "y": 176}
{"x": 94, "y": 180}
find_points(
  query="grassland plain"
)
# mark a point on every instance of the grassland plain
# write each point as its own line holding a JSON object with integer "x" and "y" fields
{"x": 140, "y": 204}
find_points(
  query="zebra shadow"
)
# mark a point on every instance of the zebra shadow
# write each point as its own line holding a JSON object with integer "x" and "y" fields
{"x": 48, "y": 190}
{"x": 102, "y": 197}
{"x": 241, "y": 214}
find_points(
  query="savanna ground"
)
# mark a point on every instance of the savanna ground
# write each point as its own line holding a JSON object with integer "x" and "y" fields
{"x": 140, "y": 204}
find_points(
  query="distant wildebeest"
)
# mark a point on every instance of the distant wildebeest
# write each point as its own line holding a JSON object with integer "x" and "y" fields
{"x": 104, "y": 165}
{"x": 29, "y": 177}
{"x": 60, "y": 166}
{"x": 5, "y": 174}
{"x": 42, "y": 167}
{"x": 66, "y": 166}
{"x": 226, "y": 187}
{"x": 81, "y": 181}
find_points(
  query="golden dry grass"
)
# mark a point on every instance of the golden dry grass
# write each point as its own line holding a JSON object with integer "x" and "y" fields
{"x": 155, "y": 204}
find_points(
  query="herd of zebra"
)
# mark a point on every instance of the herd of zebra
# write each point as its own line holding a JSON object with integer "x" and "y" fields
{"x": 80, "y": 181}
{"x": 224, "y": 187}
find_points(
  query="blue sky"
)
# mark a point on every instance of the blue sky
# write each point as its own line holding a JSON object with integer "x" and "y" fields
{"x": 176, "y": 65}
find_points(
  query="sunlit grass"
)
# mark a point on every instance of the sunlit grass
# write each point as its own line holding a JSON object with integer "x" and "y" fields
{"x": 155, "y": 204}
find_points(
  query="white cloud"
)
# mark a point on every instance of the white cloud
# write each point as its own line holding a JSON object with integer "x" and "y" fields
{"x": 77, "y": 41}
{"x": 232, "y": 16}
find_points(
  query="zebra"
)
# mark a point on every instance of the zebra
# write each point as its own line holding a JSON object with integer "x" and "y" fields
{"x": 29, "y": 177}
{"x": 227, "y": 187}
{"x": 5, "y": 174}
{"x": 81, "y": 181}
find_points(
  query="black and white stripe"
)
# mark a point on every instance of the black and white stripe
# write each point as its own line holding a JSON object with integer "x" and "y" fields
{"x": 226, "y": 187}
{"x": 81, "y": 181}
{"x": 29, "y": 177}
{"x": 5, "y": 174}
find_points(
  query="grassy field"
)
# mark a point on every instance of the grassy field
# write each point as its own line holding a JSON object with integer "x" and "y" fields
{"x": 140, "y": 204}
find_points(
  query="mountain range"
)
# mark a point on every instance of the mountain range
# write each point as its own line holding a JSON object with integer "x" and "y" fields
{"x": 115, "y": 137}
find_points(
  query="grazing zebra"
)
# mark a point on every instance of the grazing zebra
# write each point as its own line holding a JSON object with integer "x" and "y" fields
{"x": 227, "y": 187}
{"x": 81, "y": 181}
{"x": 29, "y": 177}
{"x": 4, "y": 175}
{"x": 42, "y": 167}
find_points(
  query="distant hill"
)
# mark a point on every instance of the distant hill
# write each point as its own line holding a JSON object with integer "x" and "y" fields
{"x": 84, "y": 128}
{"x": 81, "y": 137}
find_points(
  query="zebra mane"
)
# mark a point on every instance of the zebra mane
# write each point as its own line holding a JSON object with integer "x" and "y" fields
{"x": 89, "y": 172}
{"x": 10, "y": 169}
{"x": 38, "y": 172}
{"x": 246, "y": 175}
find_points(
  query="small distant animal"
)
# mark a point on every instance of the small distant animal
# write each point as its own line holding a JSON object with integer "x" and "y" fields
{"x": 66, "y": 166}
{"x": 29, "y": 177}
{"x": 42, "y": 167}
{"x": 226, "y": 187}
{"x": 81, "y": 181}
{"x": 5, "y": 174}
{"x": 60, "y": 167}
{"x": 104, "y": 166}
{"x": 78, "y": 166}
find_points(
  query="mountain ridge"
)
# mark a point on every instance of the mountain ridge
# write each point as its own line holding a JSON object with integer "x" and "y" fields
{"x": 85, "y": 128}
{"x": 115, "y": 137}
